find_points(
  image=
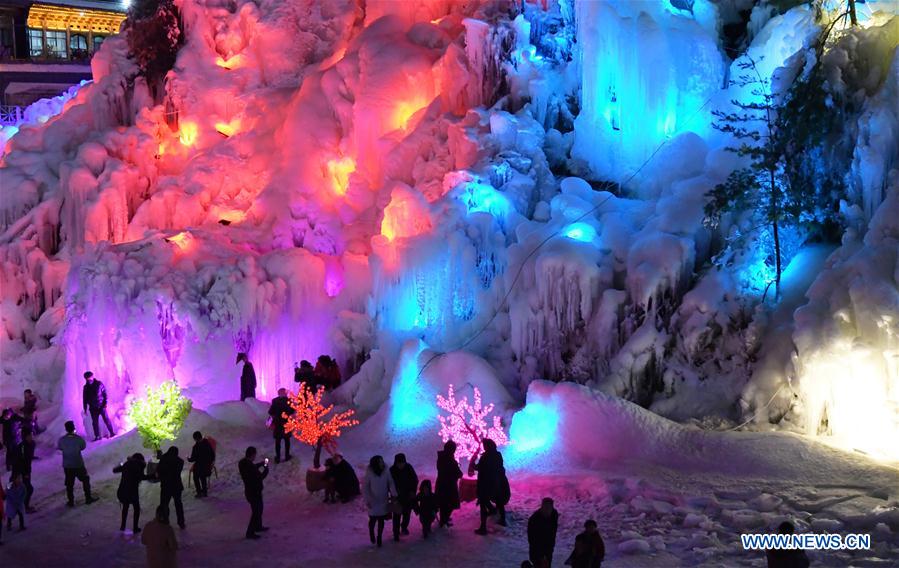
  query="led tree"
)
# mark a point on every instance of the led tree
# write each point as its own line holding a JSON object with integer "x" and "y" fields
{"x": 308, "y": 424}
{"x": 160, "y": 415}
{"x": 466, "y": 423}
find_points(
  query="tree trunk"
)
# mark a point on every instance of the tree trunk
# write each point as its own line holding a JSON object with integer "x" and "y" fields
{"x": 775, "y": 216}
{"x": 852, "y": 15}
{"x": 316, "y": 459}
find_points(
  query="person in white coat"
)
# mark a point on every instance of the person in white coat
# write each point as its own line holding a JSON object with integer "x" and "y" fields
{"x": 378, "y": 488}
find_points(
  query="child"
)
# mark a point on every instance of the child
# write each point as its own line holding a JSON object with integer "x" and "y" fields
{"x": 15, "y": 502}
{"x": 330, "y": 491}
{"x": 425, "y": 506}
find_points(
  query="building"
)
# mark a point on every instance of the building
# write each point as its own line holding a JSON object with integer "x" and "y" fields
{"x": 46, "y": 45}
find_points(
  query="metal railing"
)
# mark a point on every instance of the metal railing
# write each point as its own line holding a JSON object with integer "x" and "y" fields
{"x": 10, "y": 115}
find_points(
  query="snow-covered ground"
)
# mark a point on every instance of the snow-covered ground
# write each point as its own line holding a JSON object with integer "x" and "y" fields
{"x": 650, "y": 513}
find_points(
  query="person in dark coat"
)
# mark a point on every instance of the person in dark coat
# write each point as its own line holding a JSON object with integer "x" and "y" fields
{"x": 542, "y": 528}
{"x": 132, "y": 471}
{"x": 279, "y": 408}
{"x": 426, "y": 507}
{"x": 327, "y": 372}
{"x": 493, "y": 485}
{"x": 12, "y": 437}
{"x": 305, "y": 373}
{"x": 247, "y": 377}
{"x": 29, "y": 412}
{"x": 253, "y": 475}
{"x": 170, "y": 485}
{"x": 406, "y": 481}
{"x": 589, "y": 548}
{"x": 71, "y": 445}
{"x": 23, "y": 468}
{"x": 781, "y": 558}
{"x": 346, "y": 483}
{"x": 203, "y": 457}
{"x": 94, "y": 399}
{"x": 447, "y": 488}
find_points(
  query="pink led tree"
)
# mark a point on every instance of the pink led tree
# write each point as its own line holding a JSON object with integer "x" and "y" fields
{"x": 466, "y": 424}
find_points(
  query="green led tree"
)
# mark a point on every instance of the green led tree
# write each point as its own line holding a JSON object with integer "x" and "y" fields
{"x": 160, "y": 415}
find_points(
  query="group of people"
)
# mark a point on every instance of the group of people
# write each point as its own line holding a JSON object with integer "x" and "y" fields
{"x": 589, "y": 548}
{"x": 326, "y": 373}
{"x": 18, "y": 432}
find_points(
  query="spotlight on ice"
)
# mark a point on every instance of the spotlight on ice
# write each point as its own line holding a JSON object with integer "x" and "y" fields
{"x": 580, "y": 232}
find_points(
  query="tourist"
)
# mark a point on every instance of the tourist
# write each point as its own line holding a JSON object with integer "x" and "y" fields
{"x": 159, "y": 538}
{"x": 94, "y": 399}
{"x": 247, "y": 377}
{"x": 71, "y": 445}
{"x": 426, "y": 507}
{"x": 406, "y": 482}
{"x": 203, "y": 457}
{"x": 29, "y": 412}
{"x": 346, "y": 484}
{"x": 253, "y": 475}
{"x": 493, "y": 485}
{"x": 304, "y": 373}
{"x": 15, "y": 502}
{"x": 23, "y": 468}
{"x": 170, "y": 485}
{"x": 327, "y": 372}
{"x": 2, "y": 510}
{"x": 447, "y": 487}
{"x": 279, "y": 410}
{"x": 12, "y": 436}
{"x": 542, "y": 528}
{"x": 786, "y": 558}
{"x": 330, "y": 491}
{"x": 589, "y": 548}
{"x": 378, "y": 488}
{"x": 132, "y": 471}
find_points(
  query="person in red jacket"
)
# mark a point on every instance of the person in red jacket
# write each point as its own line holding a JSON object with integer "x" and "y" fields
{"x": 327, "y": 372}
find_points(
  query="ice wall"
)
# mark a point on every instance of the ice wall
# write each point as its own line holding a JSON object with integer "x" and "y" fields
{"x": 647, "y": 72}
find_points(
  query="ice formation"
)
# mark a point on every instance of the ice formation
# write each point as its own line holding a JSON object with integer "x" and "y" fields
{"x": 521, "y": 181}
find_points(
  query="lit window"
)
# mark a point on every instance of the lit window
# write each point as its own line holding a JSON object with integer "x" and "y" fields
{"x": 56, "y": 44}
{"x": 98, "y": 41}
{"x": 35, "y": 42}
{"x": 78, "y": 46}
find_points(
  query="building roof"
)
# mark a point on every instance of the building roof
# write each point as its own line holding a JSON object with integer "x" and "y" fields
{"x": 55, "y": 16}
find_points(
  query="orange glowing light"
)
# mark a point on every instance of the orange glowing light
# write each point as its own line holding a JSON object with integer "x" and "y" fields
{"x": 339, "y": 170}
{"x": 232, "y": 216}
{"x": 182, "y": 240}
{"x": 405, "y": 216}
{"x": 228, "y": 129}
{"x": 161, "y": 150}
{"x": 232, "y": 62}
{"x": 404, "y": 111}
{"x": 188, "y": 133}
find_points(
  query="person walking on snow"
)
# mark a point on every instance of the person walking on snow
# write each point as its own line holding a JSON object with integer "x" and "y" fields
{"x": 71, "y": 445}
{"x": 15, "y": 502}
{"x": 132, "y": 471}
{"x": 247, "y": 377}
{"x": 160, "y": 541}
{"x": 94, "y": 400}
{"x": 447, "y": 488}
{"x": 542, "y": 528}
{"x": 279, "y": 410}
{"x": 426, "y": 507}
{"x": 493, "y": 485}
{"x": 23, "y": 467}
{"x": 170, "y": 485}
{"x": 253, "y": 474}
{"x": 12, "y": 436}
{"x": 406, "y": 481}
{"x": 377, "y": 489}
{"x": 589, "y": 548}
{"x": 202, "y": 455}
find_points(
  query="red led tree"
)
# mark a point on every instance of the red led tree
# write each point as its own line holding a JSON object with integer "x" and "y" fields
{"x": 308, "y": 424}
